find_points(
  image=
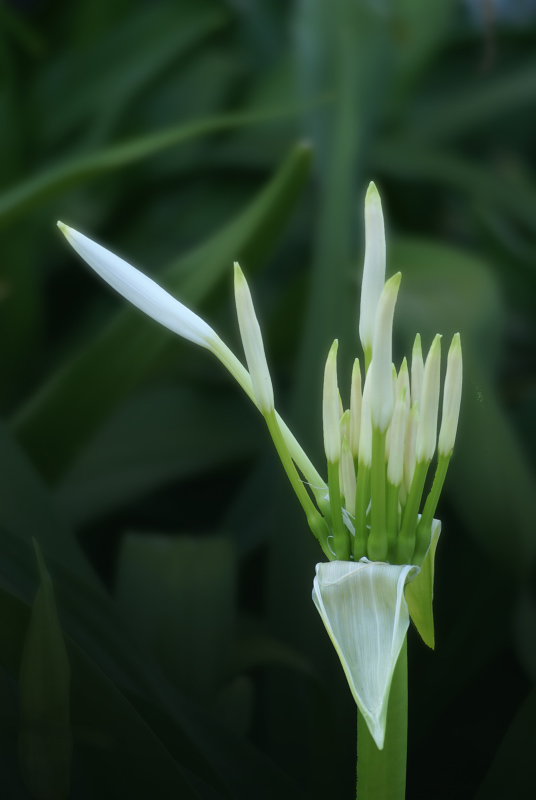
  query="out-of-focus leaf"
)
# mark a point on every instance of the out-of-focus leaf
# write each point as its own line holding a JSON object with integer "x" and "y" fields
{"x": 160, "y": 436}
{"x": 420, "y": 29}
{"x": 241, "y": 764}
{"x": 179, "y": 592}
{"x": 342, "y": 48}
{"x": 445, "y": 290}
{"x": 96, "y": 84}
{"x": 401, "y": 159}
{"x": 261, "y": 650}
{"x": 512, "y": 771}
{"x": 476, "y": 104}
{"x": 45, "y": 738}
{"x": 50, "y": 427}
{"x": 27, "y": 194}
{"x": 96, "y": 625}
{"x": 26, "y": 510}
{"x": 113, "y": 741}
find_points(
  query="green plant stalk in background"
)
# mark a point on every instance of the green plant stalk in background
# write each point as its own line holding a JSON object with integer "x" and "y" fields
{"x": 360, "y": 598}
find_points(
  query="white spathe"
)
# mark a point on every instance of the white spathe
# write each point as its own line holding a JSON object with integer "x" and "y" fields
{"x": 142, "y": 292}
{"x": 365, "y": 613}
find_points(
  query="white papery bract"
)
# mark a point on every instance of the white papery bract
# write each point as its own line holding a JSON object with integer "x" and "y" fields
{"x": 365, "y": 613}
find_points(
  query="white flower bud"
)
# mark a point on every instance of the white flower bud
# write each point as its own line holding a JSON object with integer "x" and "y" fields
{"x": 427, "y": 433}
{"x": 452, "y": 396}
{"x": 417, "y": 369}
{"x": 142, "y": 292}
{"x": 374, "y": 267}
{"x": 395, "y": 465}
{"x": 332, "y": 436}
{"x": 381, "y": 400}
{"x": 253, "y": 346}
{"x": 355, "y": 409}
{"x": 403, "y": 383}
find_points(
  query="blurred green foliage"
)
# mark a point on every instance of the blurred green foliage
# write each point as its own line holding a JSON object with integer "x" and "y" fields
{"x": 186, "y": 135}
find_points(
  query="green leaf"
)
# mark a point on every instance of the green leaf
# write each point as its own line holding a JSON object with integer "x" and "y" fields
{"x": 476, "y": 104}
{"x": 403, "y": 160}
{"x": 27, "y": 510}
{"x": 91, "y": 87}
{"x": 159, "y": 436}
{"x": 179, "y": 592}
{"x": 343, "y": 50}
{"x": 512, "y": 771}
{"x": 45, "y": 739}
{"x": 489, "y": 479}
{"x": 115, "y": 745}
{"x": 26, "y": 195}
{"x": 50, "y": 426}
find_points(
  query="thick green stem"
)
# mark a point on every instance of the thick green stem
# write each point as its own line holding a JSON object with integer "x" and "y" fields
{"x": 381, "y": 774}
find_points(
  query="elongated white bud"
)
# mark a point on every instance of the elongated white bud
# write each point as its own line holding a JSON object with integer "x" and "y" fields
{"x": 365, "y": 437}
{"x": 374, "y": 267}
{"x": 427, "y": 433}
{"x": 417, "y": 369}
{"x": 355, "y": 409}
{"x": 394, "y": 379}
{"x": 381, "y": 400}
{"x": 332, "y": 436}
{"x": 253, "y": 345}
{"x": 141, "y": 291}
{"x": 403, "y": 383}
{"x": 395, "y": 465}
{"x": 452, "y": 396}
{"x": 410, "y": 457}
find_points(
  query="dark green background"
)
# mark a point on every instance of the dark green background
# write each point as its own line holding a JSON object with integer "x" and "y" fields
{"x": 185, "y": 135}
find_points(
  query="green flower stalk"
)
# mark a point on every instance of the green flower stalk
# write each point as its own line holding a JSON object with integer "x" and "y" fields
{"x": 368, "y": 517}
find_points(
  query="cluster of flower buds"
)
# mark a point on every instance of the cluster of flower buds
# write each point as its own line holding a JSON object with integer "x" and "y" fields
{"x": 380, "y": 549}
{"x": 380, "y": 449}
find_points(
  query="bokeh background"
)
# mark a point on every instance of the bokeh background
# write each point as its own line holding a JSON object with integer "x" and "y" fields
{"x": 184, "y": 135}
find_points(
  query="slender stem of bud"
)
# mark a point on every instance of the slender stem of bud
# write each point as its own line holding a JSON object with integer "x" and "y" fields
{"x": 406, "y": 537}
{"x": 315, "y": 520}
{"x": 362, "y": 497}
{"x": 424, "y": 528}
{"x": 341, "y": 536}
{"x": 381, "y": 774}
{"x": 377, "y": 542}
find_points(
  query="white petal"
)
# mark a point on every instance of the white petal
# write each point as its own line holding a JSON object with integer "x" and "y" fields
{"x": 363, "y": 607}
{"x": 141, "y": 291}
